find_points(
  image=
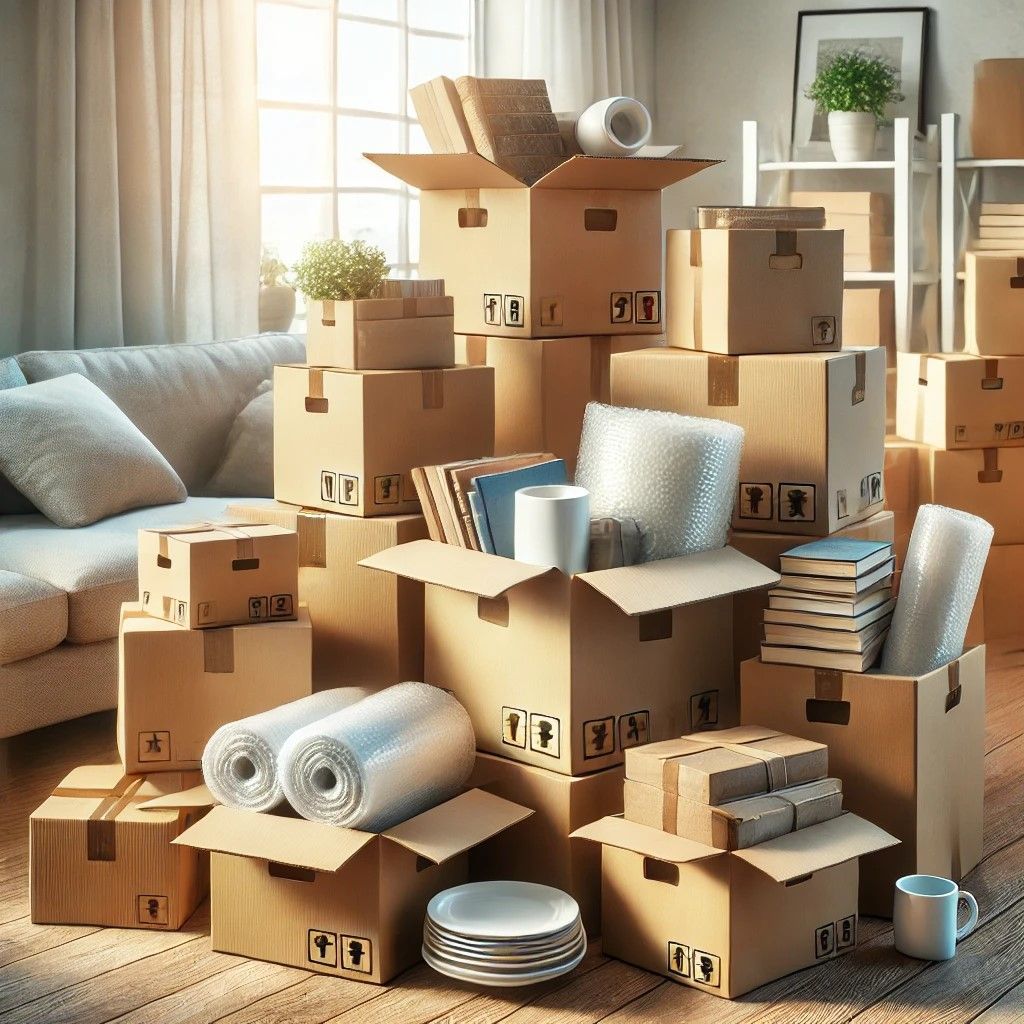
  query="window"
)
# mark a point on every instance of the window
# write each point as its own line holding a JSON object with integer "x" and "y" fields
{"x": 333, "y": 80}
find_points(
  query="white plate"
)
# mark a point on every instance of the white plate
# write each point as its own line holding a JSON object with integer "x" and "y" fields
{"x": 500, "y": 980}
{"x": 500, "y": 956}
{"x": 503, "y": 910}
{"x": 504, "y": 965}
{"x": 489, "y": 947}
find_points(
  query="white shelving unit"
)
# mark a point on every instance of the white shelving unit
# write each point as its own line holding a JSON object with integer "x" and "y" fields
{"x": 915, "y": 217}
{"x": 961, "y": 195}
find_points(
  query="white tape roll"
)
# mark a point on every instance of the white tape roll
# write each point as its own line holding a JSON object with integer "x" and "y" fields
{"x": 617, "y": 126}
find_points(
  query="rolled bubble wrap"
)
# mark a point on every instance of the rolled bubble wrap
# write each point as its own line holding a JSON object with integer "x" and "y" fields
{"x": 675, "y": 475}
{"x": 381, "y": 761}
{"x": 938, "y": 588}
{"x": 240, "y": 758}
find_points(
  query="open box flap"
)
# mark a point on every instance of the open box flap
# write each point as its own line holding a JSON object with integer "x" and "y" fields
{"x": 819, "y": 846}
{"x": 696, "y": 743}
{"x": 651, "y": 842}
{"x": 445, "y": 565}
{"x": 94, "y": 780}
{"x": 196, "y": 796}
{"x": 199, "y": 531}
{"x": 444, "y": 170}
{"x": 457, "y": 825}
{"x": 293, "y": 841}
{"x": 634, "y": 173}
{"x": 674, "y": 582}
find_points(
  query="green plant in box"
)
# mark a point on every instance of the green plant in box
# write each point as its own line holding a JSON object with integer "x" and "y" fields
{"x": 339, "y": 270}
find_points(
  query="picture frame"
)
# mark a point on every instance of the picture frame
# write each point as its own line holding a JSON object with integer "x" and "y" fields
{"x": 899, "y": 34}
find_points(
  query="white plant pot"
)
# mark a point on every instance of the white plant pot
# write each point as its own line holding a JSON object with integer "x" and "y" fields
{"x": 852, "y": 134}
{"x": 277, "y": 307}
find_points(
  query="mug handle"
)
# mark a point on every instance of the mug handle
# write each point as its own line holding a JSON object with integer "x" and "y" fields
{"x": 972, "y": 920}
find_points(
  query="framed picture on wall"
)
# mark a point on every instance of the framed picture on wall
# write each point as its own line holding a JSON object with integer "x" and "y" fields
{"x": 899, "y": 35}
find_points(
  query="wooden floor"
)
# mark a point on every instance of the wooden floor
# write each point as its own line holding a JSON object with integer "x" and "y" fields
{"x": 82, "y": 974}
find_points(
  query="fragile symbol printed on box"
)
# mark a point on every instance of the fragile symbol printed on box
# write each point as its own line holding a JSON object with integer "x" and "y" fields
{"x": 151, "y": 909}
{"x": 259, "y": 608}
{"x": 515, "y": 313}
{"x": 281, "y": 605}
{"x": 181, "y": 613}
{"x": 755, "y": 501}
{"x": 206, "y": 611}
{"x": 960, "y": 432}
{"x": 704, "y": 710}
{"x": 598, "y": 737}
{"x": 545, "y": 735}
{"x": 513, "y": 727}
{"x": 870, "y": 490}
{"x": 634, "y": 729}
{"x": 647, "y": 307}
{"x": 846, "y": 932}
{"x": 356, "y": 954}
{"x": 338, "y": 488}
{"x": 1016, "y": 431}
{"x": 492, "y": 309}
{"x": 386, "y": 489}
{"x": 322, "y": 948}
{"x": 842, "y": 511}
{"x": 154, "y": 746}
{"x": 707, "y": 968}
{"x": 823, "y": 330}
{"x": 824, "y": 940}
{"x": 622, "y": 308}
{"x": 551, "y": 311}
{"x": 679, "y": 959}
{"x": 796, "y": 503}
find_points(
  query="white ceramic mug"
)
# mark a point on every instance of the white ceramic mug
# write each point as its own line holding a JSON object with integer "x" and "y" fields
{"x": 552, "y": 526}
{"x": 616, "y": 126}
{"x": 924, "y": 916}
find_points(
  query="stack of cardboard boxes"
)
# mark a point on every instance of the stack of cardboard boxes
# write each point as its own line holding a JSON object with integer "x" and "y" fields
{"x": 219, "y": 634}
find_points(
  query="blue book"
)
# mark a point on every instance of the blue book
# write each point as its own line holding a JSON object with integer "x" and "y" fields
{"x": 483, "y": 530}
{"x": 836, "y": 556}
{"x": 496, "y": 493}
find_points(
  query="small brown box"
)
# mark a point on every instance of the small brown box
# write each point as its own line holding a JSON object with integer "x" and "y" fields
{"x": 997, "y": 116}
{"x": 994, "y": 303}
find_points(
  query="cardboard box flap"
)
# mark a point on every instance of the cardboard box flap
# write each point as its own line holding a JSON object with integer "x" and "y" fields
{"x": 472, "y": 572}
{"x": 673, "y": 582}
{"x": 651, "y": 842}
{"x": 635, "y": 173}
{"x": 188, "y": 531}
{"x": 444, "y": 170}
{"x": 457, "y": 825}
{"x": 197, "y": 796}
{"x": 293, "y": 841}
{"x": 93, "y": 780}
{"x": 819, "y": 846}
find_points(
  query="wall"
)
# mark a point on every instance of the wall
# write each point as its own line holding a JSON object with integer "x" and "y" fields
{"x": 720, "y": 62}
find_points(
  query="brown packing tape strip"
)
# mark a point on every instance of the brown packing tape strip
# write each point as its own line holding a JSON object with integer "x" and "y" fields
{"x": 218, "y": 650}
{"x": 315, "y": 382}
{"x": 953, "y": 681}
{"x": 433, "y": 389}
{"x": 860, "y": 367}
{"x": 990, "y": 379}
{"x": 600, "y": 355}
{"x": 785, "y": 243}
{"x": 245, "y": 543}
{"x": 697, "y": 273}
{"x": 1018, "y": 281}
{"x": 472, "y": 199}
{"x": 669, "y": 812}
{"x": 101, "y": 825}
{"x": 991, "y": 473}
{"x": 922, "y": 369}
{"x": 723, "y": 380}
{"x": 311, "y": 528}
{"x": 775, "y": 765}
{"x": 828, "y": 684}
{"x": 328, "y": 314}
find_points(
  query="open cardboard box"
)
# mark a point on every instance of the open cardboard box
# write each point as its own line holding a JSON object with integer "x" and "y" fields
{"x": 100, "y": 849}
{"x": 367, "y": 627}
{"x": 910, "y": 753}
{"x": 814, "y": 422}
{"x": 337, "y": 900}
{"x": 501, "y": 245}
{"x": 177, "y": 686}
{"x": 729, "y": 922}
{"x": 567, "y": 673}
{"x": 218, "y": 574}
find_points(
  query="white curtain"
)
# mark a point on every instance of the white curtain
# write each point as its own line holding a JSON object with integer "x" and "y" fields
{"x": 129, "y": 191}
{"x": 585, "y": 50}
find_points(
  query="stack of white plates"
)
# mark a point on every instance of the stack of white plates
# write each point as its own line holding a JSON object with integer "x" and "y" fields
{"x": 503, "y": 933}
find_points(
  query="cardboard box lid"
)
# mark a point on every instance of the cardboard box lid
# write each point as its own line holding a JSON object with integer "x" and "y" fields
{"x": 206, "y": 531}
{"x": 650, "y": 842}
{"x": 435, "y": 171}
{"x": 819, "y": 846}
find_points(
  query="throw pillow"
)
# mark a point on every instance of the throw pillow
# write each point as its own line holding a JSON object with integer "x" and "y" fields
{"x": 12, "y": 501}
{"x": 247, "y": 468}
{"x": 72, "y": 452}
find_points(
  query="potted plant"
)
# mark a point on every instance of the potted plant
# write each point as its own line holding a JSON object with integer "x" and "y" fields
{"x": 277, "y": 297}
{"x": 854, "y": 87}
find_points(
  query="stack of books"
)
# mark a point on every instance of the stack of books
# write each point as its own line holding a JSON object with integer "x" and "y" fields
{"x": 1000, "y": 227}
{"x": 833, "y": 605}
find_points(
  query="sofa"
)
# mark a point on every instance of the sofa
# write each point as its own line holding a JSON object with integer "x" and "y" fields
{"x": 61, "y": 589}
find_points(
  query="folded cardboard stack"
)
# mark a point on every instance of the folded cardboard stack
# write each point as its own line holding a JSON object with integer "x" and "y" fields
{"x": 218, "y": 634}
{"x": 734, "y": 863}
{"x": 864, "y": 218}
{"x": 1000, "y": 228}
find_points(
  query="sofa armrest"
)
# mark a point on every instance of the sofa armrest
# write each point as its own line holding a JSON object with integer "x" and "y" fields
{"x": 33, "y": 616}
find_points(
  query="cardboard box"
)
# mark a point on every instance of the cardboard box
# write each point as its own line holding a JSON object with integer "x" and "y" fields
{"x": 891, "y": 400}
{"x": 869, "y": 319}
{"x": 567, "y": 673}
{"x": 737, "y": 291}
{"x": 813, "y": 452}
{"x": 997, "y": 114}
{"x": 902, "y": 492}
{"x": 723, "y": 922}
{"x": 877, "y": 256}
{"x": 501, "y": 246}
{"x": 336, "y": 900}
{"x": 994, "y": 303}
{"x": 873, "y": 206}
{"x": 367, "y": 627}
{"x": 955, "y": 400}
{"x": 381, "y": 334}
{"x": 218, "y": 574}
{"x": 1002, "y": 593}
{"x": 346, "y": 441}
{"x": 100, "y": 850}
{"x": 748, "y": 608}
{"x": 540, "y": 849}
{"x": 910, "y": 753}
{"x": 177, "y": 686}
{"x": 735, "y": 824}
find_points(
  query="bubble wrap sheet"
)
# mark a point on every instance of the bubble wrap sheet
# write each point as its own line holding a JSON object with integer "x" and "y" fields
{"x": 675, "y": 475}
{"x": 381, "y": 761}
{"x": 240, "y": 759}
{"x": 938, "y": 588}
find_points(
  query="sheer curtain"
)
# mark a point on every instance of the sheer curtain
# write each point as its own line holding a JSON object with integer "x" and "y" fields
{"x": 129, "y": 191}
{"x": 584, "y": 49}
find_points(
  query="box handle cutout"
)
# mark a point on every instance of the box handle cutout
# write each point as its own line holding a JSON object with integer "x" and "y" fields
{"x": 785, "y": 256}
{"x": 953, "y": 699}
{"x": 493, "y": 610}
{"x": 242, "y": 564}
{"x": 600, "y": 220}
{"x": 991, "y": 473}
{"x": 799, "y": 880}
{"x": 316, "y": 405}
{"x": 163, "y": 562}
{"x": 423, "y": 864}
{"x": 276, "y": 870}
{"x": 922, "y": 382}
{"x": 661, "y": 871}
{"x": 655, "y": 626}
{"x": 830, "y": 712}
{"x": 472, "y": 217}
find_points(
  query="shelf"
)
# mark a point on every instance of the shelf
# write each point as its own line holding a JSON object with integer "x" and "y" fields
{"x": 920, "y": 277}
{"x": 920, "y": 166}
{"x": 970, "y": 164}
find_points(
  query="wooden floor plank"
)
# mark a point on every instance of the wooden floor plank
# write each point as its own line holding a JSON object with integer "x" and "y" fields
{"x": 21, "y": 938}
{"x": 1008, "y": 1009}
{"x": 311, "y": 1001}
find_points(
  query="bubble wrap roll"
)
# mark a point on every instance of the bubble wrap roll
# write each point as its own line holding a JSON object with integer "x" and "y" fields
{"x": 938, "y": 587}
{"x": 240, "y": 759}
{"x": 381, "y": 761}
{"x": 675, "y": 475}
